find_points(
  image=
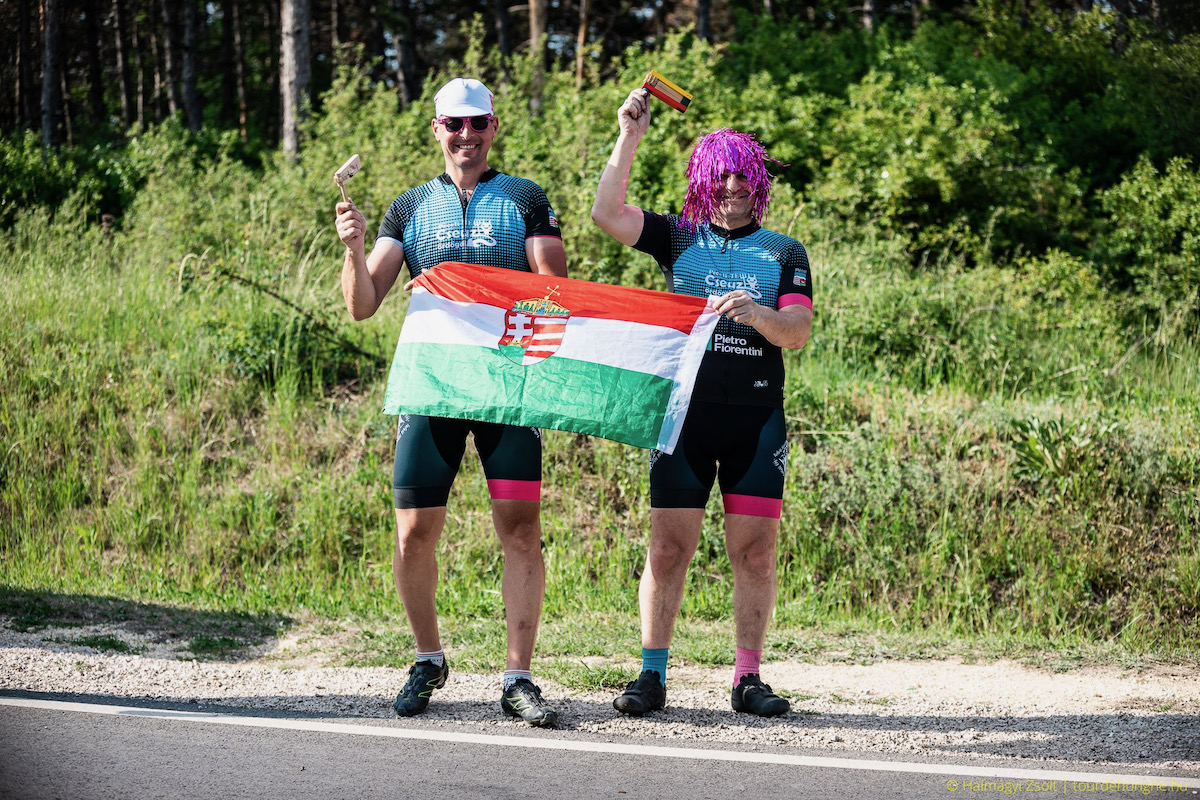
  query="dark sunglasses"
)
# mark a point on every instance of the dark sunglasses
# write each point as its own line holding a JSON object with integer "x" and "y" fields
{"x": 455, "y": 124}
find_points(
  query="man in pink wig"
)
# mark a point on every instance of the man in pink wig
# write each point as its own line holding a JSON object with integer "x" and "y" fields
{"x": 735, "y": 433}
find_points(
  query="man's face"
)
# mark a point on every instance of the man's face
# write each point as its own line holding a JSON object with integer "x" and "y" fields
{"x": 736, "y": 201}
{"x": 466, "y": 148}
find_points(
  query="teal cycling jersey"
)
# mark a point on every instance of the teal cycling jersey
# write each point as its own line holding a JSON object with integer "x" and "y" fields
{"x": 741, "y": 366}
{"x": 433, "y": 223}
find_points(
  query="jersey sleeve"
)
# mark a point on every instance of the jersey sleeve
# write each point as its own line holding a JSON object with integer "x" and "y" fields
{"x": 540, "y": 219}
{"x": 400, "y": 213}
{"x": 655, "y": 240}
{"x": 795, "y": 278}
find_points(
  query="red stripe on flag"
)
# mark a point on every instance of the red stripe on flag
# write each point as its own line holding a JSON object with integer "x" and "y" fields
{"x": 503, "y": 288}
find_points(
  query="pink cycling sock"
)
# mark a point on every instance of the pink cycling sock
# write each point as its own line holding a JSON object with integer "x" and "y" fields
{"x": 747, "y": 662}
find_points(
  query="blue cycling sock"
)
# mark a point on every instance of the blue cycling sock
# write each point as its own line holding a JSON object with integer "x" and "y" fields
{"x": 657, "y": 661}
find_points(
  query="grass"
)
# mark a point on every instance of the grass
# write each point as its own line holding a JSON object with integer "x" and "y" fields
{"x": 214, "y": 647}
{"x": 175, "y": 445}
{"x": 110, "y": 644}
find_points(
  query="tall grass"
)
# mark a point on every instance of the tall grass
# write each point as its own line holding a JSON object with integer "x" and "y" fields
{"x": 145, "y": 458}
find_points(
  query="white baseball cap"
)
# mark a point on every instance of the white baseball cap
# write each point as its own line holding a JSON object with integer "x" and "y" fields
{"x": 463, "y": 97}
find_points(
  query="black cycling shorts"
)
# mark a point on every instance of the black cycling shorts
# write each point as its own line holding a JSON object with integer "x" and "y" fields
{"x": 429, "y": 451}
{"x": 745, "y": 448}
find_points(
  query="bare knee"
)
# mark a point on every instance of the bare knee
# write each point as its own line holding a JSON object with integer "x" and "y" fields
{"x": 668, "y": 554}
{"x": 417, "y": 531}
{"x": 518, "y": 525}
{"x": 755, "y": 559}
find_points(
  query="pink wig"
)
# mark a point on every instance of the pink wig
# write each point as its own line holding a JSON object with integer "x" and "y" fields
{"x": 721, "y": 151}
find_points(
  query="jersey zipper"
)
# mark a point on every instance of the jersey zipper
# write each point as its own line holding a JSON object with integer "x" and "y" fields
{"x": 464, "y": 199}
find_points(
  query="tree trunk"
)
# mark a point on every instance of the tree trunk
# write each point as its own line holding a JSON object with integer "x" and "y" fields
{"x": 95, "y": 66}
{"x": 239, "y": 58}
{"x": 27, "y": 99}
{"x": 158, "y": 81}
{"x": 228, "y": 70}
{"x": 51, "y": 74}
{"x": 295, "y": 70}
{"x": 404, "y": 38}
{"x": 192, "y": 105}
{"x": 139, "y": 47}
{"x": 66, "y": 106}
{"x": 503, "y": 29}
{"x": 377, "y": 45}
{"x": 270, "y": 123}
{"x": 703, "y": 20}
{"x": 868, "y": 16}
{"x": 170, "y": 50}
{"x": 581, "y": 42}
{"x": 335, "y": 35}
{"x": 122, "y": 52}
{"x": 537, "y": 33}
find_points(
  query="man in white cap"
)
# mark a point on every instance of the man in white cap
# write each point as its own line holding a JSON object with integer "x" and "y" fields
{"x": 474, "y": 214}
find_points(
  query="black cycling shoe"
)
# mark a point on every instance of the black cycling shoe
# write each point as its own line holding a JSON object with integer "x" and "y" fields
{"x": 423, "y": 678}
{"x": 647, "y": 693}
{"x": 524, "y": 699}
{"x": 752, "y": 696}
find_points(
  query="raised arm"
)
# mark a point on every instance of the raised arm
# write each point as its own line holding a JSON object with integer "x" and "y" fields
{"x": 610, "y": 211}
{"x": 365, "y": 281}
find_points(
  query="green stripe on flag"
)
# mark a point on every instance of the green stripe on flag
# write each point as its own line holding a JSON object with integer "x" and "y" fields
{"x": 469, "y": 382}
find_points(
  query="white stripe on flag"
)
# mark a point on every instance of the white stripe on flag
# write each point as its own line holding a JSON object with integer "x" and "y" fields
{"x": 616, "y": 343}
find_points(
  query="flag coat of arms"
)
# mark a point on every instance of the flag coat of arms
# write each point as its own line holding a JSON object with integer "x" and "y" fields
{"x": 518, "y": 348}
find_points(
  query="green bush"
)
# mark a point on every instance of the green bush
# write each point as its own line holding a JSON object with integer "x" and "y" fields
{"x": 34, "y": 177}
{"x": 1041, "y": 327}
{"x": 1150, "y": 245}
{"x": 942, "y": 168}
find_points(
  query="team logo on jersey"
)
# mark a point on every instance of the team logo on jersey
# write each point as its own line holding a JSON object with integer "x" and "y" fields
{"x": 553, "y": 219}
{"x": 481, "y": 234}
{"x": 533, "y": 329}
{"x": 800, "y": 280}
{"x": 718, "y": 284}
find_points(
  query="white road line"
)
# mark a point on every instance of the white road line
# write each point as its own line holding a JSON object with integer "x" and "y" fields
{"x": 959, "y": 771}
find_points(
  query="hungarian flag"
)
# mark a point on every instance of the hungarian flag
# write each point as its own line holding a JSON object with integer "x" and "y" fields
{"x": 518, "y": 348}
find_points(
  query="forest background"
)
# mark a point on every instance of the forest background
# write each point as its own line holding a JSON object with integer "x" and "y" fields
{"x": 993, "y": 428}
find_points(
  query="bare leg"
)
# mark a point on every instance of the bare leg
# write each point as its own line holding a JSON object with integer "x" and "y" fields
{"x": 674, "y": 534}
{"x": 519, "y": 528}
{"x": 751, "y": 542}
{"x": 415, "y": 570}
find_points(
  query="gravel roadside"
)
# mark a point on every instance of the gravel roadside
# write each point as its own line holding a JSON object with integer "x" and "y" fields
{"x": 1145, "y": 719}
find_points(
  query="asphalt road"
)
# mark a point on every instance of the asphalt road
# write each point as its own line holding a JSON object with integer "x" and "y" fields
{"x": 62, "y": 747}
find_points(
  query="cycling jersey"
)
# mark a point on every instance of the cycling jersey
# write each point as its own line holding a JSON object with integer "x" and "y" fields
{"x": 433, "y": 224}
{"x": 741, "y": 366}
